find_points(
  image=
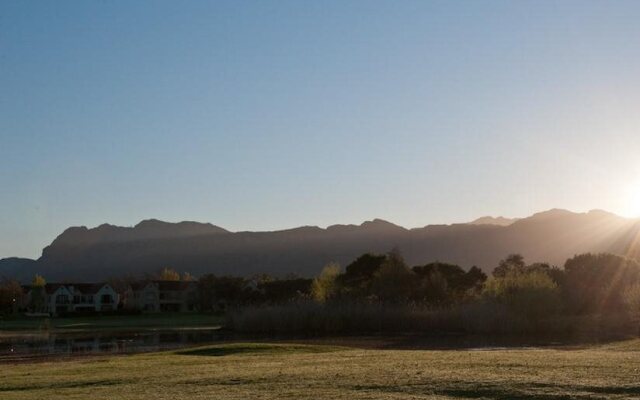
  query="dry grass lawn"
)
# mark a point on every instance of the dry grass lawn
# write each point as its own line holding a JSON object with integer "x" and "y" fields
{"x": 281, "y": 371}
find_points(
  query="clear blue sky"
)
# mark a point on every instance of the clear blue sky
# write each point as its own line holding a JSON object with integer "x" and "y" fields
{"x": 272, "y": 114}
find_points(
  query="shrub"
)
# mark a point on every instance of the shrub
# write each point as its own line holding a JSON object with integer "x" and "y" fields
{"x": 311, "y": 318}
{"x": 631, "y": 298}
{"x": 595, "y": 283}
{"x": 532, "y": 294}
{"x": 325, "y": 286}
{"x": 314, "y": 319}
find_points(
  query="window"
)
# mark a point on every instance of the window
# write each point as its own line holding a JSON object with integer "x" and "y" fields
{"x": 82, "y": 299}
{"x": 106, "y": 299}
{"x": 62, "y": 299}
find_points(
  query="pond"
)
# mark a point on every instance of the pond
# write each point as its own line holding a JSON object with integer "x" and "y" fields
{"x": 42, "y": 346}
{"x": 26, "y": 347}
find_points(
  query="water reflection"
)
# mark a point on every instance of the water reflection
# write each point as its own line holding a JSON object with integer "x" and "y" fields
{"x": 56, "y": 344}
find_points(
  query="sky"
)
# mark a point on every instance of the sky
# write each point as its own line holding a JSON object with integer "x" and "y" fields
{"x": 273, "y": 114}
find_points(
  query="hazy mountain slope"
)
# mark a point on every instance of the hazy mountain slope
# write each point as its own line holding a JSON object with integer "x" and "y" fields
{"x": 488, "y": 220}
{"x": 145, "y": 230}
{"x": 105, "y": 251}
{"x": 18, "y": 268}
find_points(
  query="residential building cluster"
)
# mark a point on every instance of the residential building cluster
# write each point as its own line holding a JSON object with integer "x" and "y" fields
{"x": 143, "y": 296}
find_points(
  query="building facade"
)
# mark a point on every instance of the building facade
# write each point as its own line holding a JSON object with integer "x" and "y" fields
{"x": 62, "y": 298}
{"x": 161, "y": 296}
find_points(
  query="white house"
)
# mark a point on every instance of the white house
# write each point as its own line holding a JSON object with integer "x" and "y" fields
{"x": 78, "y": 297}
{"x": 154, "y": 296}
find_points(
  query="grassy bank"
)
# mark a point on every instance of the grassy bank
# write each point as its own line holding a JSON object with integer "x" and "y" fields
{"x": 109, "y": 322}
{"x": 241, "y": 371}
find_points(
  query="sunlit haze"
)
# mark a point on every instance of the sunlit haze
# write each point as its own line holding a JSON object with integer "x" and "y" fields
{"x": 270, "y": 115}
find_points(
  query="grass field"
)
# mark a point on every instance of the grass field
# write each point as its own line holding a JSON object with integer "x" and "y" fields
{"x": 281, "y": 371}
{"x": 110, "y": 322}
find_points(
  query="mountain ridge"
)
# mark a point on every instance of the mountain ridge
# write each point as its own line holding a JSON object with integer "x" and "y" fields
{"x": 82, "y": 253}
{"x": 489, "y": 220}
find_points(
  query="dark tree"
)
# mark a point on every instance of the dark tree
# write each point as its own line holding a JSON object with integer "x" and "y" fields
{"x": 475, "y": 278}
{"x": 280, "y": 291}
{"x": 513, "y": 262}
{"x": 363, "y": 268}
{"x": 556, "y": 274}
{"x": 443, "y": 283}
{"x": 356, "y": 280}
{"x": 596, "y": 282}
{"x": 393, "y": 281}
{"x": 11, "y": 294}
{"x": 217, "y": 293}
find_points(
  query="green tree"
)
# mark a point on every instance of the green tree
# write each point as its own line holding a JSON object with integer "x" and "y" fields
{"x": 285, "y": 290}
{"x": 169, "y": 274}
{"x": 38, "y": 281}
{"x": 358, "y": 275}
{"x": 513, "y": 262}
{"x": 443, "y": 283}
{"x": 595, "y": 283}
{"x": 393, "y": 282}
{"x": 532, "y": 294}
{"x": 434, "y": 289}
{"x": 10, "y": 295}
{"x": 215, "y": 293}
{"x": 474, "y": 279}
{"x": 555, "y": 273}
{"x": 38, "y": 295}
{"x": 325, "y": 286}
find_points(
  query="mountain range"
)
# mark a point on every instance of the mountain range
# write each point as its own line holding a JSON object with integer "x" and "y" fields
{"x": 488, "y": 220}
{"x": 107, "y": 251}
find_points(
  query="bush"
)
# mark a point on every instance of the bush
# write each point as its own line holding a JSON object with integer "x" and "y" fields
{"x": 314, "y": 319}
{"x": 325, "y": 286}
{"x": 311, "y": 318}
{"x": 486, "y": 319}
{"x": 532, "y": 294}
{"x": 631, "y": 298}
{"x": 596, "y": 283}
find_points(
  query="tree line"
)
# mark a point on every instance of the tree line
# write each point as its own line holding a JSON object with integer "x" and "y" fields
{"x": 587, "y": 284}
